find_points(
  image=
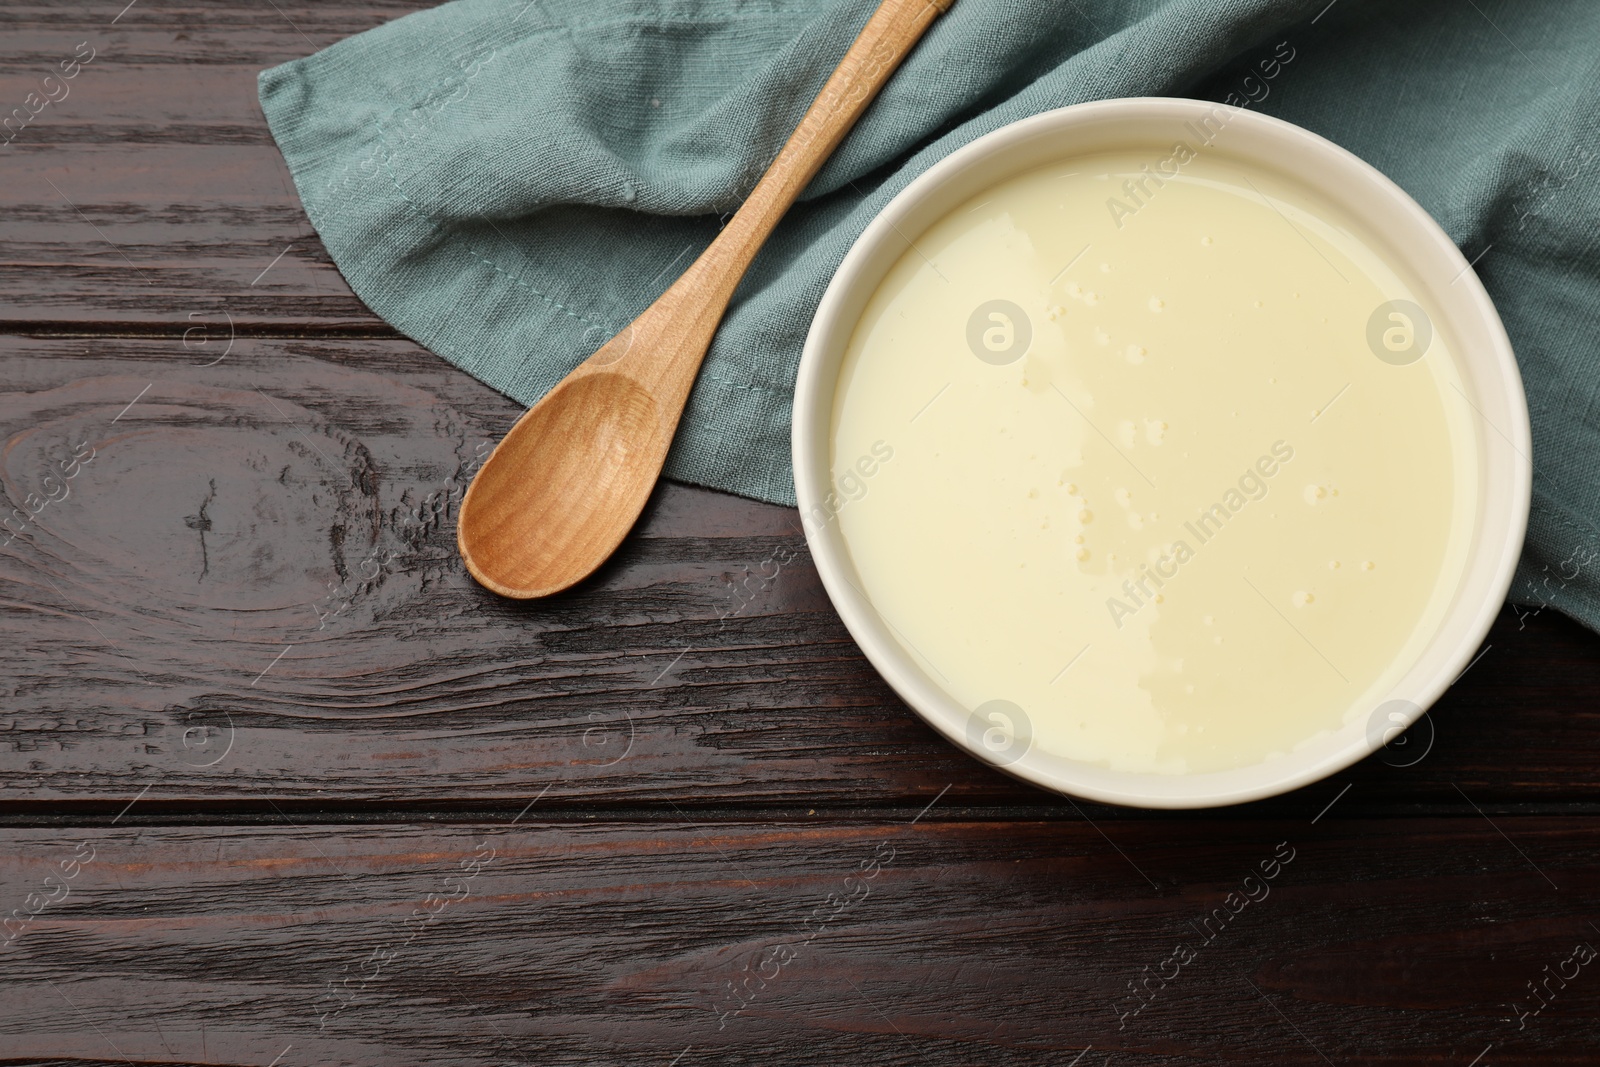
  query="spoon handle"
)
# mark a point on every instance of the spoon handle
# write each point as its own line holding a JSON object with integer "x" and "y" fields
{"x": 561, "y": 490}
{"x": 878, "y": 50}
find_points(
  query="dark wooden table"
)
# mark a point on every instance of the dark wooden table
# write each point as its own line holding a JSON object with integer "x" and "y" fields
{"x": 281, "y": 785}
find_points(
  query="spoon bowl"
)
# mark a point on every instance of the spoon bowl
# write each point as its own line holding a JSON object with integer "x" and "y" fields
{"x": 556, "y": 499}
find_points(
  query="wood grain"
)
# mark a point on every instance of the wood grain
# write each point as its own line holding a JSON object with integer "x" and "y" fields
{"x": 1389, "y": 942}
{"x": 251, "y": 593}
{"x": 152, "y": 197}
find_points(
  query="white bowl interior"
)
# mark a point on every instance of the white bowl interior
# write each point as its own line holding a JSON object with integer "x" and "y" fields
{"x": 1411, "y": 241}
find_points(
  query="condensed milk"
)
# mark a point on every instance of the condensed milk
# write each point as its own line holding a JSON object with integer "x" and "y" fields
{"x": 1154, "y": 461}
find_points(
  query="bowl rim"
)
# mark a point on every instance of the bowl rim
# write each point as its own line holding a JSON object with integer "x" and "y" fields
{"x": 1502, "y": 510}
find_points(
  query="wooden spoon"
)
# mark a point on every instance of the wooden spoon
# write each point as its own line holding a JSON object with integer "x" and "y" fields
{"x": 563, "y": 488}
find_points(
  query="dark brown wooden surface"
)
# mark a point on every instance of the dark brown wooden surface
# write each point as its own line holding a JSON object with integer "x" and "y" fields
{"x": 153, "y": 192}
{"x": 245, "y": 668}
{"x": 983, "y": 942}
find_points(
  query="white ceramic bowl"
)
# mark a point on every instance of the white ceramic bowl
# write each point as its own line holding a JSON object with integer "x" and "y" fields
{"x": 1411, "y": 240}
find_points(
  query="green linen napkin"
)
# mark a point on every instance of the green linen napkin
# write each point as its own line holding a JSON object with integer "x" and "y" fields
{"x": 510, "y": 182}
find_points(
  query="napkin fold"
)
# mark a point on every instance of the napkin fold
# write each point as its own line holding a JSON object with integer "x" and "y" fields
{"x": 510, "y": 182}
